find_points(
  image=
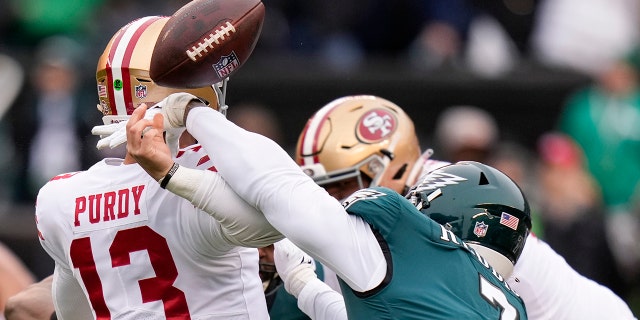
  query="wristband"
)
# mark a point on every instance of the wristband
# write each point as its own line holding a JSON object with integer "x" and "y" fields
{"x": 172, "y": 171}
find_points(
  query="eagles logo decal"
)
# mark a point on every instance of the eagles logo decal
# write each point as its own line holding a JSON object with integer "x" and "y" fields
{"x": 364, "y": 194}
{"x": 436, "y": 180}
{"x": 376, "y": 125}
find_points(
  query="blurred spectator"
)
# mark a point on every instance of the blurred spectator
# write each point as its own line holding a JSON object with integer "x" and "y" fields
{"x": 342, "y": 34}
{"x": 36, "y": 20}
{"x": 50, "y": 123}
{"x": 418, "y": 34}
{"x": 434, "y": 32}
{"x": 499, "y": 36}
{"x": 11, "y": 81}
{"x": 572, "y": 214}
{"x": 585, "y": 35}
{"x": 516, "y": 17}
{"x": 487, "y": 37}
{"x": 603, "y": 119}
{"x": 465, "y": 133}
{"x": 257, "y": 118}
{"x": 490, "y": 52}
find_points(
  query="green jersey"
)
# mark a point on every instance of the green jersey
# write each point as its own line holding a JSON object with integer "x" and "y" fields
{"x": 431, "y": 274}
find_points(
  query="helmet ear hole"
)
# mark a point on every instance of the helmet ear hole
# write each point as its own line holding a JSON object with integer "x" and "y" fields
{"x": 483, "y": 179}
{"x": 400, "y": 172}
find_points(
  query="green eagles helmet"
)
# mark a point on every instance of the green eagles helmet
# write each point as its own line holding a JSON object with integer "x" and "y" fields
{"x": 478, "y": 203}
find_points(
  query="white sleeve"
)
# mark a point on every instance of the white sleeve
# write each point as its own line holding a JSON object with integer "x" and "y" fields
{"x": 319, "y": 301}
{"x": 69, "y": 299}
{"x": 243, "y": 224}
{"x": 265, "y": 176}
{"x": 551, "y": 289}
{"x": 331, "y": 279}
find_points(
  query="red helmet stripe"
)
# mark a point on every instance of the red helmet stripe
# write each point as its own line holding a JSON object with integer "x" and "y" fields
{"x": 118, "y": 64}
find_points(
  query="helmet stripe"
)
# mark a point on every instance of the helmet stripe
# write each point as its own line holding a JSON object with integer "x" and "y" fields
{"x": 118, "y": 64}
{"x": 309, "y": 146}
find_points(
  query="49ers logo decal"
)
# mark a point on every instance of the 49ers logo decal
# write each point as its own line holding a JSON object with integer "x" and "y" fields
{"x": 376, "y": 125}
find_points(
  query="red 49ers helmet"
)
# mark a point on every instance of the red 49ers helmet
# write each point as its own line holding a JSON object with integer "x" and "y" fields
{"x": 123, "y": 72}
{"x": 359, "y": 135}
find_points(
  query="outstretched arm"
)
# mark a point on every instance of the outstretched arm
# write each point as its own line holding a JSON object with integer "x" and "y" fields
{"x": 265, "y": 176}
{"x": 243, "y": 224}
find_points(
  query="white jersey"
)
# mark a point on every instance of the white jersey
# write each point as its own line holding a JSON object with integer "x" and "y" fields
{"x": 140, "y": 252}
{"x": 551, "y": 289}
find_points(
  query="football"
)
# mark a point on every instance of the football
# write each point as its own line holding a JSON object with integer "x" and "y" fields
{"x": 205, "y": 42}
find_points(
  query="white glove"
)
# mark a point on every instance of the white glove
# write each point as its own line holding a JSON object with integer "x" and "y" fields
{"x": 115, "y": 134}
{"x": 295, "y": 267}
{"x": 172, "y": 108}
{"x": 110, "y": 134}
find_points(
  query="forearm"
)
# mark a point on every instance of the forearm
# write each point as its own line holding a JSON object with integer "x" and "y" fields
{"x": 33, "y": 303}
{"x": 319, "y": 301}
{"x": 206, "y": 190}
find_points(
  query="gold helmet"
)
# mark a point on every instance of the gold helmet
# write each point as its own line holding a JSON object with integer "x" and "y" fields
{"x": 123, "y": 72}
{"x": 359, "y": 135}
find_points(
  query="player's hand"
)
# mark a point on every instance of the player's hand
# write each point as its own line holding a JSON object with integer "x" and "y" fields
{"x": 172, "y": 107}
{"x": 295, "y": 267}
{"x": 115, "y": 134}
{"x": 145, "y": 143}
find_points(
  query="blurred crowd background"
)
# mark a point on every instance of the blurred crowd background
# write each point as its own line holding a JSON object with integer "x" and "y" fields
{"x": 545, "y": 90}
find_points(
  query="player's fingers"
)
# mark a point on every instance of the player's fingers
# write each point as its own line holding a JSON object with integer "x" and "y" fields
{"x": 117, "y": 138}
{"x": 136, "y": 131}
{"x": 158, "y": 121}
{"x": 137, "y": 114}
{"x": 154, "y": 130}
{"x": 107, "y": 129}
{"x": 137, "y": 124}
{"x": 103, "y": 143}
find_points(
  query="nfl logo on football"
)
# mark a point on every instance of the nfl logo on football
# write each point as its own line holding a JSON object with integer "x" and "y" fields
{"x": 480, "y": 230}
{"x": 226, "y": 65}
